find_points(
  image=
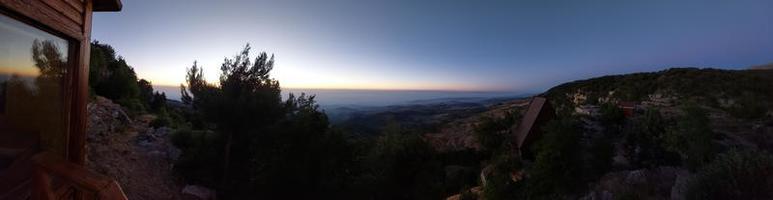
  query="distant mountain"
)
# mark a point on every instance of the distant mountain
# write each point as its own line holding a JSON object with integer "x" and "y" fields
{"x": 765, "y": 66}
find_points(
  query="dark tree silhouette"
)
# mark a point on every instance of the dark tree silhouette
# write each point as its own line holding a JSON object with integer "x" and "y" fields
{"x": 247, "y": 98}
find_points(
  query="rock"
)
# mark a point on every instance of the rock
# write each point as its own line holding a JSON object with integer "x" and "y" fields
{"x": 199, "y": 192}
{"x": 680, "y": 185}
{"x": 658, "y": 183}
{"x": 105, "y": 118}
{"x": 173, "y": 153}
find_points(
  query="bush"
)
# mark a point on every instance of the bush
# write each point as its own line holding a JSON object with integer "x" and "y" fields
{"x": 493, "y": 134}
{"x": 133, "y": 106}
{"x": 198, "y": 162}
{"x": 734, "y": 175}
{"x": 611, "y": 116}
{"x": 692, "y": 137}
{"x": 498, "y": 184}
{"x": 749, "y": 106}
{"x": 401, "y": 165}
{"x": 161, "y": 121}
{"x": 601, "y": 152}
{"x": 557, "y": 169}
{"x": 645, "y": 141}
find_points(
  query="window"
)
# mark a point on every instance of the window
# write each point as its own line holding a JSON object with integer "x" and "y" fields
{"x": 33, "y": 65}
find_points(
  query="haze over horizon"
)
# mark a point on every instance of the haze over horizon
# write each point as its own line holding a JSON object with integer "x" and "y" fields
{"x": 438, "y": 45}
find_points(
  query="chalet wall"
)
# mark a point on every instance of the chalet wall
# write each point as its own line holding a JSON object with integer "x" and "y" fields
{"x": 65, "y": 16}
{"x": 72, "y": 20}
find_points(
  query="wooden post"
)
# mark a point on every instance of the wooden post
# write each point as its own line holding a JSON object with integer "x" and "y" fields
{"x": 41, "y": 185}
{"x": 79, "y": 121}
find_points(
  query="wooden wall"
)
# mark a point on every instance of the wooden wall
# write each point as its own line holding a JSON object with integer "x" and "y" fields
{"x": 70, "y": 19}
{"x": 65, "y": 16}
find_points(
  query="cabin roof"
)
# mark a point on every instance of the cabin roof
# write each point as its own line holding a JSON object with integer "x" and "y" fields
{"x": 530, "y": 121}
{"x": 107, "y": 5}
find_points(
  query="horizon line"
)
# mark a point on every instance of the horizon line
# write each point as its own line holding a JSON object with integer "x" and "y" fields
{"x": 374, "y": 89}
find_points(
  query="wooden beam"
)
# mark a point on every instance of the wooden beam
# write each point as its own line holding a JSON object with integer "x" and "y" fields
{"x": 85, "y": 180}
{"x": 47, "y": 16}
{"x": 65, "y": 9}
{"x": 76, "y": 4}
{"x": 79, "y": 120}
{"x": 41, "y": 185}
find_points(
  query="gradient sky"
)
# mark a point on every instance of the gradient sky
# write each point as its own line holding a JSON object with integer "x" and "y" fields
{"x": 523, "y": 46}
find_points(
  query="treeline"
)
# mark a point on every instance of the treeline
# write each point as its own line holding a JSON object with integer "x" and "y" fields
{"x": 111, "y": 77}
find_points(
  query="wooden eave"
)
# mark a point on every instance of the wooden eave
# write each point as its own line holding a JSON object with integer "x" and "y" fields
{"x": 107, "y": 5}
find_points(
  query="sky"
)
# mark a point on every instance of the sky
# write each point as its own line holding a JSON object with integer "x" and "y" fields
{"x": 520, "y": 46}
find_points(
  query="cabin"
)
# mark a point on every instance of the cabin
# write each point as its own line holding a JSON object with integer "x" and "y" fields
{"x": 628, "y": 107}
{"x": 44, "y": 59}
{"x": 540, "y": 112}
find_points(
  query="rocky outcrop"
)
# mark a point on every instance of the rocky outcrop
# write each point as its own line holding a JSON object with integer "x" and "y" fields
{"x": 658, "y": 183}
{"x": 105, "y": 118}
{"x": 138, "y": 157}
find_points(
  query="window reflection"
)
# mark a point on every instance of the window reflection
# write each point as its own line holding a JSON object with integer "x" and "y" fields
{"x": 32, "y": 68}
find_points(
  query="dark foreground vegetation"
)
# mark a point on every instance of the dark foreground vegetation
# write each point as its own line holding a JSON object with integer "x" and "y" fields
{"x": 243, "y": 139}
{"x": 240, "y": 137}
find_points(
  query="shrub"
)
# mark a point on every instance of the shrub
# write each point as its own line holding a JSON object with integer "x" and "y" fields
{"x": 611, "y": 115}
{"x": 601, "y": 152}
{"x": 492, "y": 133}
{"x": 161, "y": 121}
{"x": 133, "y": 106}
{"x": 498, "y": 184}
{"x": 402, "y": 166}
{"x": 692, "y": 137}
{"x": 645, "y": 139}
{"x": 749, "y": 106}
{"x": 198, "y": 161}
{"x": 557, "y": 168}
{"x": 734, "y": 175}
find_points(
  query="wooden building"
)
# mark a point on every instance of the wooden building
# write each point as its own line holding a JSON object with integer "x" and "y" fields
{"x": 44, "y": 59}
{"x": 628, "y": 107}
{"x": 540, "y": 111}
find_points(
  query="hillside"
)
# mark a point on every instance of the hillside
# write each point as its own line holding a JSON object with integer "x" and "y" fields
{"x": 686, "y": 132}
{"x": 418, "y": 116}
{"x": 743, "y": 93}
{"x": 459, "y": 134}
{"x": 739, "y": 103}
{"x": 687, "y": 123}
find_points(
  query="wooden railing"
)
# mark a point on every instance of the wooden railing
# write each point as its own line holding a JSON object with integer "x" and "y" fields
{"x": 55, "y": 178}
